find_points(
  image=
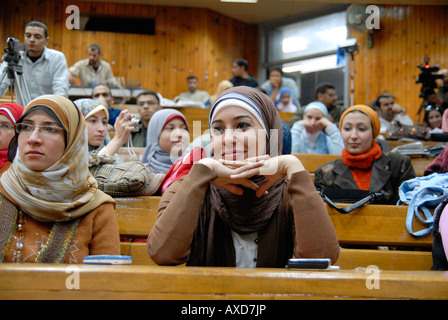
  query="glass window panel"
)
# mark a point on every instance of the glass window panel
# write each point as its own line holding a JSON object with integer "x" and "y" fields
{"x": 308, "y": 37}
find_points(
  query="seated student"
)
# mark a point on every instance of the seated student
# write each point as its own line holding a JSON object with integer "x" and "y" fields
{"x": 51, "y": 210}
{"x": 204, "y": 141}
{"x": 222, "y": 86}
{"x": 241, "y": 76}
{"x": 9, "y": 114}
{"x": 362, "y": 164}
{"x": 285, "y": 102}
{"x": 193, "y": 93}
{"x": 148, "y": 103}
{"x": 433, "y": 118}
{"x": 439, "y": 164}
{"x": 168, "y": 137}
{"x": 97, "y": 118}
{"x": 389, "y": 111}
{"x": 103, "y": 95}
{"x": 247, "y": 206}
{"x": 315, "y": 133}
{"x": 440, "y": 237}
{"x": 102, "y": 153}
{"x": 277, "y": 81}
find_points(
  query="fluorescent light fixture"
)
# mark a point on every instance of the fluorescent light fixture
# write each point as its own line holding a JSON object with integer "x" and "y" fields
{"x": 293, "y": 68}
{"x": 311, "y": 65}
{"x": 241, "y": 1}
{"x": 294, "y": 44}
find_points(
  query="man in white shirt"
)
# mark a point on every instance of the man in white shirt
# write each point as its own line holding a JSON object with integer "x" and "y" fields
{"x": 193, "y": 93}
{"x": 389, "y": 111}
{"x": 93, "y": 71}
{"x": 44, "y": 70}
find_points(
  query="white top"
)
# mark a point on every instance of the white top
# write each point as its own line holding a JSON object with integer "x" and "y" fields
{"x": 246, "y": 249}
{"x": 48, "y": 75}
{"x": 404, "y": 119}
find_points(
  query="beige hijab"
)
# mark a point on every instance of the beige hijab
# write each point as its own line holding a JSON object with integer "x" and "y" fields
{"x": 66, "y": 190}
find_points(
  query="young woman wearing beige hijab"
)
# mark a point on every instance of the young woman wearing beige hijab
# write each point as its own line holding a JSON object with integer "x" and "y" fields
{"x": 51, "y": 210}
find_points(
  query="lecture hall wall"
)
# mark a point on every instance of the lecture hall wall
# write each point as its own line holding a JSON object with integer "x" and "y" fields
{"x": 187, "y": 41}
{"x": 204, "y": 43}
{"x": 406, "y": 36}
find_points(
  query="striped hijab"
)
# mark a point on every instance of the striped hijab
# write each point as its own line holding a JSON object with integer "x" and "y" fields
{"x": 66, "y": 190}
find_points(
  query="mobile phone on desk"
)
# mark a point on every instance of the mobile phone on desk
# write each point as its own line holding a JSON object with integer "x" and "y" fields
{"x": 107, "y": 259}
{"x": 319, "y": 264}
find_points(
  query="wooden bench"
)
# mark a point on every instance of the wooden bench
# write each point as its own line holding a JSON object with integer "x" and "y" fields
{"x": 371, "y": 225}
{"x": 30, "y": 281}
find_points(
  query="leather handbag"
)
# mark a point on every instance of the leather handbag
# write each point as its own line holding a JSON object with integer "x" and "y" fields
{"x": 397, "y": 131}
{"x": 357, "y": 197}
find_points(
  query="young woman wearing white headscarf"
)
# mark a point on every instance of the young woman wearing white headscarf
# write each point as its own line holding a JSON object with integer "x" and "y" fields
{"x": 249, "y": 205}
{"x": 167, "y": 138}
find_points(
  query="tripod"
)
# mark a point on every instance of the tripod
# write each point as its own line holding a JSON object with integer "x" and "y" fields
{"x": 14, "y": 72}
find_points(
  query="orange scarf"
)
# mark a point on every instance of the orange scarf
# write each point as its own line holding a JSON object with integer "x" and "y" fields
{"x": 361, "y": 165}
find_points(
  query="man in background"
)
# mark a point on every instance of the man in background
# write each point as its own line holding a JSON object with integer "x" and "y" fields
{"x": 44, "y": 70}
{"x": 241, "y": 77}
{"x": 103, "y": 95}
{"x": 325, "y": 93}
{"x": 148, "y": 103}
{"x": 93, "y": 70}
{"x": 193, "y": 93}
{"x": 389, "y": 111}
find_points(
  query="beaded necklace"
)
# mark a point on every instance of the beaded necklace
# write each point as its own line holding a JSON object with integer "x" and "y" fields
{"x": 55, "y": 248}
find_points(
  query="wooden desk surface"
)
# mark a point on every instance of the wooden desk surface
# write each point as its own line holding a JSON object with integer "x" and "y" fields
{"x": 28, "y": 281}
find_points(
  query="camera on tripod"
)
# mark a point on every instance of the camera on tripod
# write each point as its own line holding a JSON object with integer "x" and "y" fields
{"x": 428, "y": 78}
{"x": 14, "y": 71}
{"x": 12, "y": 50}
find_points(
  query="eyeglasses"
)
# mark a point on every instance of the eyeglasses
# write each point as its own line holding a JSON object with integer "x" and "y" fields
{"x": 48, "y": 131}
{"x": 6, "y": 127}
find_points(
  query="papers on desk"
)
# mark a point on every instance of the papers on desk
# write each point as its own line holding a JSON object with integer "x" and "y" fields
{"x": 417, "y": 148}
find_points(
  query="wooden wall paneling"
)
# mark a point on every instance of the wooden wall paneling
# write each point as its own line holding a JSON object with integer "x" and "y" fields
{"x": 406, "y": 36}
{"x": 182, "y": 45}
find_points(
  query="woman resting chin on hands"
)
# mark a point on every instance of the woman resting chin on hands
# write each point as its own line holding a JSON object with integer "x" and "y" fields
{"x": 248, "y": 206}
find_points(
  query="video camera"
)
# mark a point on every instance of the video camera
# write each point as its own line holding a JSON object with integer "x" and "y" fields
{"x": 428, "y": 78}
{"x": 12, "y": 50}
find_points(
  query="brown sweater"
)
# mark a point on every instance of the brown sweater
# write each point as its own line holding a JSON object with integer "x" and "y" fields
{"x": 170, "y": 239}
{"x": 97, "y": 233}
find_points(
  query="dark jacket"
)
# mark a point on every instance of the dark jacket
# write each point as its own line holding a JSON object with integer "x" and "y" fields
{"x": 388, "y": 173}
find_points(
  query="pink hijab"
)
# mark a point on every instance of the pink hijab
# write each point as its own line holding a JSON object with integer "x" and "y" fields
{"x": 445, "y": 121}
{"x": 13, "y": 112}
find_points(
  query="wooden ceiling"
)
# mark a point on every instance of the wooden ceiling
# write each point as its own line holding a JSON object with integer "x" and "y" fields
{"x": 269, "y": 10}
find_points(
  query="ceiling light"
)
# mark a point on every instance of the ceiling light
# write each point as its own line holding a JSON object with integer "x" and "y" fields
{"x": 241, "y": 1}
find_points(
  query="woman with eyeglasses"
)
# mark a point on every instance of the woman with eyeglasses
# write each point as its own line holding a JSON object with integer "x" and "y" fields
{"x": 9, "y": 114}
{"x": 433, "y": 118}
{"x": 51, "y": 210}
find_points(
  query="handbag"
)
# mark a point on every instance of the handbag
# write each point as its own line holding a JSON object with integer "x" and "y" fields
{"x": 131, "y": 178}
{"x": 397, "y": 131}
{"x": 420, "y": 194}
{"x": 357, "y": 197}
